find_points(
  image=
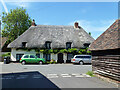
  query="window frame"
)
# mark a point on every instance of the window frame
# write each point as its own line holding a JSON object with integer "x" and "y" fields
{"x": 48, "y": 45}
{"x": 68, "y": 45}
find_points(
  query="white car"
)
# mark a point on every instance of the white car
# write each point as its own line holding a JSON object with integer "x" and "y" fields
{"x": 81, "y": 59}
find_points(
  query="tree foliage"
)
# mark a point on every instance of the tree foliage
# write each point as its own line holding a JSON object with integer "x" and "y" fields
{"x": 15, "y": 23}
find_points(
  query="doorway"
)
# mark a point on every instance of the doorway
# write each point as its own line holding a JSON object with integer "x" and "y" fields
{"x": 60, "y": 58}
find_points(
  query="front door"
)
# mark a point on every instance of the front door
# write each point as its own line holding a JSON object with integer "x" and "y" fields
{"x": 18, "y": 57}
{"x": 60, "y": 58}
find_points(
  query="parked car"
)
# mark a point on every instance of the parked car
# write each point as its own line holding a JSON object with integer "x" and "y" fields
{"x": 81, "y": 59}
{"x": 31, "y": 59}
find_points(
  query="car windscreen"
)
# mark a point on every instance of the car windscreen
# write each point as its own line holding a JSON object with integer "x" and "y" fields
{"x": 26, "y": 56}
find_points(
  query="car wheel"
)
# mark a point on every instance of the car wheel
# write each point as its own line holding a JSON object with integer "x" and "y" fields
{"x": 23, "y": 62}
{"x": 40, "y": 62}
{"x": 81, "y": 62}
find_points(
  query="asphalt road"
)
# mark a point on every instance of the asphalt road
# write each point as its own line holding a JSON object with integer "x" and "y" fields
{"x": 58, "y": 76}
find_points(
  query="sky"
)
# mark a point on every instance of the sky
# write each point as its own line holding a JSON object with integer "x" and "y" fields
{"x": 94, "y": 17}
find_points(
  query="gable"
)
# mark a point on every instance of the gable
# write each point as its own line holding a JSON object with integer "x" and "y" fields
{"x": 110, "y": 39}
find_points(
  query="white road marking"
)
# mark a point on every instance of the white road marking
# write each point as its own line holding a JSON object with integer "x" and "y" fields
{"x": 52, "y": 74}
{"x": 79, "y": 76}
{"x": 66, "y": 76}
{"x": 75, "y": 74}
{"x": 20, "y": 77}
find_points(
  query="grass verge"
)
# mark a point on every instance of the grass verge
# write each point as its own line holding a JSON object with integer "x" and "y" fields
{"x": 90, "y": 73}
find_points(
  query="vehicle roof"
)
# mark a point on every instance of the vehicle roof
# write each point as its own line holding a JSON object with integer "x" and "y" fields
{"x": 82, "y": 55}
{"x": 29, "y": 54}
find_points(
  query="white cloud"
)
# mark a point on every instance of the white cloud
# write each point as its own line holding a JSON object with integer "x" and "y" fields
{"x": 95, "y": 27}
{"x": 20, "y": 4}
{"x": 5, "y": 7}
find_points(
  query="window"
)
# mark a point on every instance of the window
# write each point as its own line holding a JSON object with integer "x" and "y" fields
{"x": 83, "y": 57}
{"x": 47, "y": 57}
{"x": 86, "y": 45}
{"x": 38, "y": 55}
{"x": 48, "y": 45}
{"x": 26, "y": 56}
{"x": 68, "y": 45}
{"x": 24, "y": 44}
{"x": 18, "y": 56}
{"x": 69, "y": 56}
{"x": 31, "y": 56}
{"x": 87, "y": 56}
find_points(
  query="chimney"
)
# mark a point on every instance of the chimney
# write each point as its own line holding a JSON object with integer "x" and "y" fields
{"x": 33, "y": 23}
{"x": 76, "y": 25}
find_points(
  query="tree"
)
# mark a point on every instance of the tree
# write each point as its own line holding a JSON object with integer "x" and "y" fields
{"x": 15, "y": 23}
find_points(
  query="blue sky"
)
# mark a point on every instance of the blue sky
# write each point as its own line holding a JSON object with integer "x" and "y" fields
{"x": 94, "y": 17}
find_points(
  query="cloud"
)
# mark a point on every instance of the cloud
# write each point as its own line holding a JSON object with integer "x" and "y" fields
{"x": 95, "y": 27}
{"x": 20, "y": 4}
{"x": 5, "y": 7}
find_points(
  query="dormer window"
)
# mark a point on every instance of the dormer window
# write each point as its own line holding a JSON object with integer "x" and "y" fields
{"x": 86, "y": 45}
{"x": 48, "y": 45}
{"x": 24, "y": 44}
{"x": 68, "y": 45}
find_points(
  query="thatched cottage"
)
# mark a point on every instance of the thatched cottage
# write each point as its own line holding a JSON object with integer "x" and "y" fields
{"x": 106, "y": 52}
{"x": 50, "y": 37}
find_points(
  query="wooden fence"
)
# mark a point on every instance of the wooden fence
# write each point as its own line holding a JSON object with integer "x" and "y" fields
{"x": 108, "y": 66}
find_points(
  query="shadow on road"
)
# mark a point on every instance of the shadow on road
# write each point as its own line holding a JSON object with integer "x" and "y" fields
{"x": 31, "y": 80}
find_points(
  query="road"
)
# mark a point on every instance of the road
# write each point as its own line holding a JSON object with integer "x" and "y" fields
{"x": 15, "y": 75}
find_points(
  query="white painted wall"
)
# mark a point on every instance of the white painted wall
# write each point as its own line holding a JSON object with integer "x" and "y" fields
{"x": 14, "y": 52}
{"x": 53, "y": 56}
{"x": 64, "y": 57}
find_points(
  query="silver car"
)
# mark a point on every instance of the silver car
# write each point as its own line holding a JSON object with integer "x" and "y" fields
{"x": 81, "y": 59}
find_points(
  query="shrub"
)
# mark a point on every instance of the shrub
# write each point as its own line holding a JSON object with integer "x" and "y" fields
{"x": 90, "y": 73}
{"x": 6, "y": 54}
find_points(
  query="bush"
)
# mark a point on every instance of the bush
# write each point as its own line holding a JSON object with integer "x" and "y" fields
{"x": 6, "y": 55}
{"x": 52, "y": 61}
{"x": 90, "y": 73}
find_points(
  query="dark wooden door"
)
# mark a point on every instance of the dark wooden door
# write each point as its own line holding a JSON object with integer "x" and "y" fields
{"x": 60, "y": 58}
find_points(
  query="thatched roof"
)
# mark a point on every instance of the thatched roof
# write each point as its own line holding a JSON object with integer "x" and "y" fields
{"x": 110, "y": 39}
{"x": 36, "y": 36}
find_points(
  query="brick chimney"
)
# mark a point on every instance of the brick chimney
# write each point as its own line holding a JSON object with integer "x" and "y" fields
{"x": 33, "y": 23}
{"x": 76, "y": 25}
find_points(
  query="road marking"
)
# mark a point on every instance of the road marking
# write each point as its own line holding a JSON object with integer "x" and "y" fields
{"x": 79, "y": 76}
{"x": 85, "y": 75}
{"x": 75, "y": 74}
{"x": 36, "y": 77}
{"x": 20, "y": 77}
{"x": 52, "y": 76}
{"x": 64, "y": 74}
{"x": 5, "y": 78}
{"x": 23, "y": 75}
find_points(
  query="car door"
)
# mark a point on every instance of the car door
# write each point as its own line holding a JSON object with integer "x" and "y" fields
{"x": 26, "y": 58}
{"x": 86, "y": 59}
{"x": 32, "y": 59}
{"x": 77, "y": 59}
